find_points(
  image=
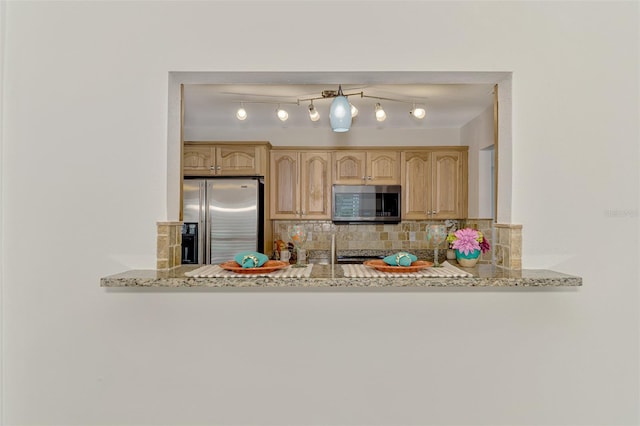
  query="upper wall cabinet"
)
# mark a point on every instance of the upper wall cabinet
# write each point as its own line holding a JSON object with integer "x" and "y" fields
{"x": 434, "y": 184}
{"x": 366, "y": 168}
{"x": 225, "y": 159}
{"x": 300, "y": 185}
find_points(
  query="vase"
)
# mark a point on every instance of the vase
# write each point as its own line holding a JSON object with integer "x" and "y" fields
{"x": 451, "y": 254}
{"x": 467, "y": 260}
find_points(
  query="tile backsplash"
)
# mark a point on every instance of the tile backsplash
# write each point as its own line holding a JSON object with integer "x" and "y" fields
{"x": 410, "y": 235}
{"x": 486, "y": 227}
{"x": 505, "y": 240}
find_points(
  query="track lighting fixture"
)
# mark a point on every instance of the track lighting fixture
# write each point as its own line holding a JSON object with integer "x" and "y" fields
{"x": 340, "y": 113}
{"x": 314, "y": 115}
{"x": 242, "y": 113}
{"x": 282, "y": 114}
{"x": 380, "y": 114}
{"x": 418, "y": 112}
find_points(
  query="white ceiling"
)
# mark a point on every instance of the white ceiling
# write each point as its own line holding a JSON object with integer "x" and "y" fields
{"x": 447, "y": 105}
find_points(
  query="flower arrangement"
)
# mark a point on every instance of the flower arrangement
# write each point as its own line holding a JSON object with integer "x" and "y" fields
{"x": 468, "y": 240}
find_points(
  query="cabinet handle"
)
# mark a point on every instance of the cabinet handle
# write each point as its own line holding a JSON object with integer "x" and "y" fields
{"x": 218, "y": 167}
{"x": 433, "y": 212}
{"x": 364, "y": 178}
{"x": 212, "y": 167}
{"x": 369, "y": 178}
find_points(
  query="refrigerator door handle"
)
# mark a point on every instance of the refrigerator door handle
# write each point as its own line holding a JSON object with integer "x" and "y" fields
{"x": 202, "y": 237}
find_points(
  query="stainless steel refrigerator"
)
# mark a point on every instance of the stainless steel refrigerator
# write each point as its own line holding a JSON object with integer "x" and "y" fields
{"x": 222, "y": 217}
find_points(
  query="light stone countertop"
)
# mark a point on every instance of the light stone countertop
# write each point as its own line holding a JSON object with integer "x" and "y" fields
{"x": 328, "y": 276}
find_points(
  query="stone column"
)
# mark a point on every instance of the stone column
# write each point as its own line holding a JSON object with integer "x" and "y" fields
{"x": 169, "y": 250}
{"x": 508, "y": 246}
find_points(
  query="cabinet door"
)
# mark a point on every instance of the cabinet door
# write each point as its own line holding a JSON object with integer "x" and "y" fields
{"x": 350, "y": 167}
{"x": 236, "y": 160}
{"x": 448, "y": 179}
{"x": 416, "y": 177}
{"x": 284, "y": 192}
{"x": 315, "y": 185}
{"x": 383, "y": 168}
{"x": 198, "y": 160}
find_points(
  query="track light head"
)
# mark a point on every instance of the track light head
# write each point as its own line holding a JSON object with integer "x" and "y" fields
{"x": 242, "y": 113}
{"x": 282, "y": 114}
{"x": 314, "y": 115}
{"x": 354, "y": 111}
{"x": 380, "y": 114}
{"x": 418, "y": 112}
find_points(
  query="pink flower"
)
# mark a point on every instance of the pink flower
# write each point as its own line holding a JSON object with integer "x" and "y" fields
{"x": 467, "y": 240}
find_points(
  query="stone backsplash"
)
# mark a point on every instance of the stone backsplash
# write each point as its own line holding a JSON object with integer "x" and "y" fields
{"x": 486, "y": 227}
{"x": 505, "y": 240}
{"x": 378, "y": 238}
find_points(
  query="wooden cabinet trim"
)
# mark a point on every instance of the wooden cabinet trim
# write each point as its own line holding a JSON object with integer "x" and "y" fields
{"x": 397, "y": 149}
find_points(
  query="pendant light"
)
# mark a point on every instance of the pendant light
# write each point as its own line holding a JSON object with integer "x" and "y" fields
{"x": 340, "y": 113}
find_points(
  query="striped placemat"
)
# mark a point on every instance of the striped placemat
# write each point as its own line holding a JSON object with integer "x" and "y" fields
{"x": 215, "y": 271}
{"x": 445, "y": 271}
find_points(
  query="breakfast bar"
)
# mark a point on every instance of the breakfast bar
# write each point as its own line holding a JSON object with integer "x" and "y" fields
{"x": 333, "y": 276}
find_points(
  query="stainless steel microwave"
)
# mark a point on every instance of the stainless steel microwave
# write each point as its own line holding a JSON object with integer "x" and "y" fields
{"x": 366, "y": 203}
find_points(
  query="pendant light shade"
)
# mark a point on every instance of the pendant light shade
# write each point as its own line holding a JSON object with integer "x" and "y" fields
{"x": 340, "y": 113}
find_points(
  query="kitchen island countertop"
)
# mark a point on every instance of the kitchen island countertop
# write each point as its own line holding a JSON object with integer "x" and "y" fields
{"x": 328, "y": 276}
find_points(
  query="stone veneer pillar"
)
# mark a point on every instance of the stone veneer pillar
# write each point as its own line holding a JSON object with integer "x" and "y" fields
{"x": 169, "y": 252}
{"x": 508, "y": 246}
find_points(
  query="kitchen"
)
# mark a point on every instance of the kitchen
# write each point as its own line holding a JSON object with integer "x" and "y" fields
{"x": 428, "y": 159}
{"x": 209, "y": 112}
{"x": 86, "y": 130}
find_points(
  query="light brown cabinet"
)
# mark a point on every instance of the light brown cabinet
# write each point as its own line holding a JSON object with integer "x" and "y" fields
{"x": 300, "y": 184}
{"x": 434, "y": 184}
{"x": 367, "y": 167}
{"x": 224, "y": 159}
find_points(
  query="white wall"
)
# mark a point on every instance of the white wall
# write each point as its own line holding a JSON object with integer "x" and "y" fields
{"x": 84, "y": 178}
{"x": 478, "y": 134}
